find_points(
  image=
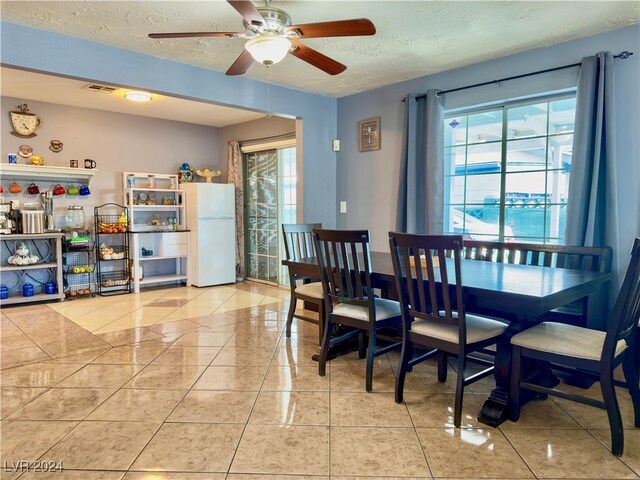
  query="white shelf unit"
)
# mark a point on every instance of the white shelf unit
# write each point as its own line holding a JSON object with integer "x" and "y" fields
{"x": 49, "y": 245}
{"x": 153, "y": 200}
{"x": 15, "y": 171}
{"x": 168, "y": 261}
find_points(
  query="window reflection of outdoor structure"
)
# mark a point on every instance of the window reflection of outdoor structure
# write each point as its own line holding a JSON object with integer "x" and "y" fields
{"x": 270, "y": 196}
{"x": 507, "y": 170}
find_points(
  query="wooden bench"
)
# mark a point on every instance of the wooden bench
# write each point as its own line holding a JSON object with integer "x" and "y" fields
{"x": 588, "y": 312}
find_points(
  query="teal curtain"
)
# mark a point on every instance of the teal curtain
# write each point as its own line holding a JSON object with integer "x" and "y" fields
{"x": 420, "y": 205}
{"x": 592, "y": 211}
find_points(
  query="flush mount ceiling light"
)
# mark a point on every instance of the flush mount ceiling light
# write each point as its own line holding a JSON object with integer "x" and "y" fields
{"x": 137, "y": 96}
{"x": 268, "y": 48}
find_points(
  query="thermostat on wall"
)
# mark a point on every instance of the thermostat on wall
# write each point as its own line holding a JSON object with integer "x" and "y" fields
{"x": 336, "y": 145}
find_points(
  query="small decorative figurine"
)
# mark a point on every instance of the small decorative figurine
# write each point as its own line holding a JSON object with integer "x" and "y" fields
{"x": 185, "y": 173}
{"x": 22, "y": 256}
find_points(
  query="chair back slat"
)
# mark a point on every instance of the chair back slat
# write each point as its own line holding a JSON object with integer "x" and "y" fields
{"x": 298, "y": 239}
{"x": 345, "y": 267}
{"x": 444, "y": 278}
{"x": 429, "y": 291}
{"x": 433, "y": 294}
{"x": 417, "y": 259}
{"x": 337, "y": 272}
{"x": 358, "y": 278}
{"x": 623, "y": 323}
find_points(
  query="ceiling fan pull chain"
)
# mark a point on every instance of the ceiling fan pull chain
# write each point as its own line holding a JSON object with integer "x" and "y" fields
{"x": 269, "y": 92}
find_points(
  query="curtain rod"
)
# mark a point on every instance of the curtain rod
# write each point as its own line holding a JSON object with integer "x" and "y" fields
{"x": 622, "y": 55}
{"x": 283, "y": 136}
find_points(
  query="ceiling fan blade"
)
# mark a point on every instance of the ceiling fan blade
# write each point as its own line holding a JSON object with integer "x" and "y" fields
{"x": 196, "y": 34}
{"x": 241, "y": 65}
{"x": 248, "y": 11}
{"x": 317, "y": 59}
{"x": 340, "y": 28}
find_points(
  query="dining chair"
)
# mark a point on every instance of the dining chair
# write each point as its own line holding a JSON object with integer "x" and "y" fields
{"x": 433, "y": 312}
{"x": 588, "y": 350}
{"x": 298, "y": 243}
{"x": 345, "y": 270}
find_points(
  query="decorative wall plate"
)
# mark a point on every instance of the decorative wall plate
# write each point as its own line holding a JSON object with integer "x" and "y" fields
{"x": 25, "y": 151}
{"x": 56, "y": 146}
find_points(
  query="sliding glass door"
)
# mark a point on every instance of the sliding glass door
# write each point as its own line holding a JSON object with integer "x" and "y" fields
{"x": 270, "y": 200}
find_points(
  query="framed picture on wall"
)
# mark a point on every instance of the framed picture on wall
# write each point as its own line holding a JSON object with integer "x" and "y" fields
{"x": 369, "y": 134}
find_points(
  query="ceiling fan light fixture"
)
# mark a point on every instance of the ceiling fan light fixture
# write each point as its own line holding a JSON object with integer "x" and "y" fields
{"x": 137, "y": 96}
{"x": 268, "y": 48}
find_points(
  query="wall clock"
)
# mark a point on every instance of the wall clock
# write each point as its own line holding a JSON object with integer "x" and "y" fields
{"x": 24, "y": 123}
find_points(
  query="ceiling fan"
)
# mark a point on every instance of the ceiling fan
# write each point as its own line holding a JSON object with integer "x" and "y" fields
{"x": 270, "y": 36}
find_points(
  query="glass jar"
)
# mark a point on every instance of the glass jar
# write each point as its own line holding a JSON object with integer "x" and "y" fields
{"x": 74, "y": 218}
{"x": 151, "y": 182}
{"x": 131, "y": 181}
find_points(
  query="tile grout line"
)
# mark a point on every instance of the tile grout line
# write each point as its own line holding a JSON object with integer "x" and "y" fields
{"x": 246, "y": 424}
{"x": 32, "y": 341}
{"x": 81, "y": 421}
{"x": 415, "y": 430}
{"x": 517, "y": 452}
{"x": 190, "y": 389}
{"x": 119, "y": 389}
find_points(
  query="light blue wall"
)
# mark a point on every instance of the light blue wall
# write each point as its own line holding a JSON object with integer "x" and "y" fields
{"x": 368, "y": 181}
{"x": 47, "y": 52}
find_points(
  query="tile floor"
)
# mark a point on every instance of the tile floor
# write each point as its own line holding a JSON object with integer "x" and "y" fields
{"x": 201, "y": 384}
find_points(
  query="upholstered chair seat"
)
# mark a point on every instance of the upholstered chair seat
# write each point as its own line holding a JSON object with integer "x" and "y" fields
{"x": 384, "y": 309}
{"x": 311, "y": 290}
{"x": 478, "y": 328}
{"x": 563, "y": 339}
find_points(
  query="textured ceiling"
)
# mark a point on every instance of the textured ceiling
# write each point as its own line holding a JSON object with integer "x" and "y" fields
{"x": 25, "y": 85}
{"x": 413, "y": 39}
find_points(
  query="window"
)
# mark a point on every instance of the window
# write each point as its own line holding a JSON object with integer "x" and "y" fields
{"x": 270, "y": 201}
{"x": 507, "y": 171}
{"x": 287, "y": 192}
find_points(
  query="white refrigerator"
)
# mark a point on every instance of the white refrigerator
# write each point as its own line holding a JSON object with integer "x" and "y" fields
{"x": 211, "y": 218}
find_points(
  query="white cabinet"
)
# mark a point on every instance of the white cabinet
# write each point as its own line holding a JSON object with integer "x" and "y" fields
{"x": 159, "y": 257}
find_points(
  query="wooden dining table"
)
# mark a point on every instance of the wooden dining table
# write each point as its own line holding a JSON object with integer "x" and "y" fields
{"x": 521, "y": 293}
